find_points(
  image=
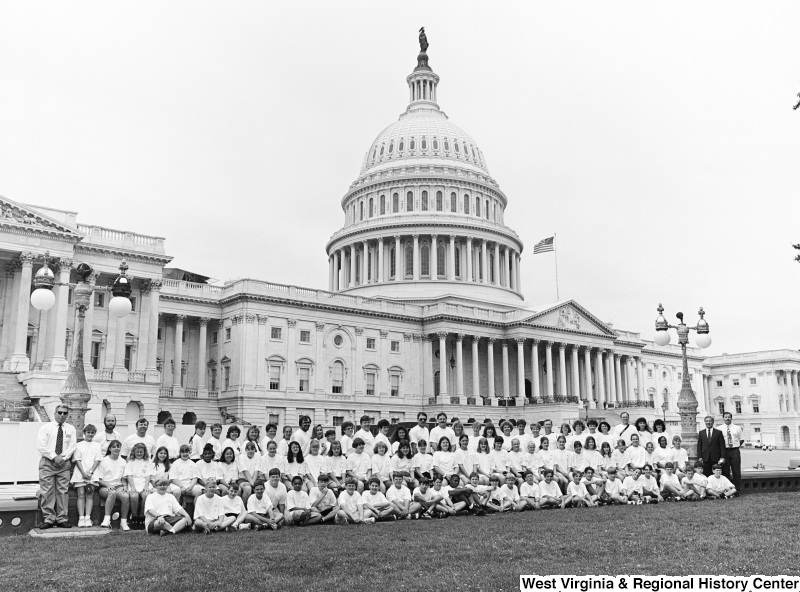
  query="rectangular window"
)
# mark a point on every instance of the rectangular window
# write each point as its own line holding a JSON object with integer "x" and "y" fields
{"x": 738, "y": 405}
{"x": 719, "y": 383}
{"x": 371, "y": 384}
{"x": 214, "y": 337}
{"x": 133, "y": 303}
{"x": 337, "y": 378}
{"x": 680, "y": 376}
{"x": 303, "y": 383}
{"x": 721, "y": 408}
{"x": 183, "y": 337}
{"x": 337, "y": 420}
{"x": 227, "y": 333}
{"x": 275, "y": 333}
{"x": 755, "y": 407}
{"x": 735, "y": 382}
{"x": 757, "y": 430}
{"x": 95, "y": 359}
{"x": 158, "y": 334}
{"x": 274, "y": 378}
{"x": 69, "y": 296}
{"x": 753, "y": 380}
{"x": 99, "y": 300}
{"x": 305, "y": 336}
{"x": 213, "y": 379}
{"x": 649, "y": 373}
{"x": 128, "y": 350}
{"x": 395, "y": 347}
{"x": 274, "y": 418}
{"x": 227, "y": 371}
{"x": 395, "y": 385}
{"x": 370, "y": 343}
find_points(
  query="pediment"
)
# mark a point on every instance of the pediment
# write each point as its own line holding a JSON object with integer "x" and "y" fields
{"x": 569, "y": 316}
{"x": 28, "y": 218}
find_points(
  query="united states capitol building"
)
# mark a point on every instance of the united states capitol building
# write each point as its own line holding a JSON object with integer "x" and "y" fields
{"x": 423, "y": 310}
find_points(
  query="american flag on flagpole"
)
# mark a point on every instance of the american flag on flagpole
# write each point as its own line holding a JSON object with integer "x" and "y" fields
{"x": 544, "y": 246}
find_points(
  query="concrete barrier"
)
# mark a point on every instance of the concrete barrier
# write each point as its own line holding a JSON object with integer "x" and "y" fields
{"x": 770, "y": 481}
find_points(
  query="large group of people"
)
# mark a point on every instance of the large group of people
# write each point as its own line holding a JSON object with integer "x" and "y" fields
{"x": 248, "y": 480}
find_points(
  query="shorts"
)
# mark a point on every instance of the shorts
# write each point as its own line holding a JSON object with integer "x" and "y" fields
{"x": 231, "y": 515}
{"x": 168, "y": 519}
{"x": 495, "y": 503}
{"x": 326, "y": 512}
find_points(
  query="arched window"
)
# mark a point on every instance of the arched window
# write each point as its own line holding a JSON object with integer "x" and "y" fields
{"x": 362, "y": 210}
{"x": 392, "y": 266}
{"x": 447, "y": 145}
{"x": 439, "y": 201}
{"x": 374, "y": 153}
{"x": 383, "y": 205}
{"x": 466, "y": 203}
{"x": 424, "y": 201}
{"x": 401, "y": 146}
{"x": 424, "y": 143}
{"x": 337, "y": 378}
{"x": 478, "y": 207}
{"x": 458, "y": 262}
{"x": 455, "y": 145}
{"x": 665, "y": 397}
{"x": 486, "y": 211}
{"x": 425, "y": 261}
{"x": 453, "y": 202}
{"x": 466, "y": 154}
{"x": 391, "y": 146}
{"x": 371, "y": 210}
{"x": 440, "y": 265}
{"x": 395, "y": 203}
{"x": 409, "y": 202}
{"x": 435, "y": 144}
{"x": 413, "y": 144}
{"x": 409, "y": 261}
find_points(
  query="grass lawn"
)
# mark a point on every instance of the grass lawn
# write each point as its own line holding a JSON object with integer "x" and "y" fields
{"x": 465, "y": 553}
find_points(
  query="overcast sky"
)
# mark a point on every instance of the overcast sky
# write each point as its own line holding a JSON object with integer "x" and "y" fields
{"x": 657, "y": 140}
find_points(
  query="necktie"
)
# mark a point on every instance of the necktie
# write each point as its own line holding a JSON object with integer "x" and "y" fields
{"x": 730, "y": 441}
{"x": 60, "y": 440}
{"x": 709, "y": 435}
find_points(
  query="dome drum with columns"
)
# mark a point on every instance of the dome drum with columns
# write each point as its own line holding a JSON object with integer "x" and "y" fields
{"x": 425, "y": 219}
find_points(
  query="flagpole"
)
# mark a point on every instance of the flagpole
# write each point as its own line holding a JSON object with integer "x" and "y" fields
{"x": 555, "y": 253}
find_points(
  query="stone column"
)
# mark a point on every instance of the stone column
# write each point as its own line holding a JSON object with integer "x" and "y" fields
{"x": 442, "y": 364}
{"x": 618, "y": 378}
{"x": 118, "y": 371}
{"x": 548, "y": 358}
{"x": 640, "y": 379}
{"x": 9, "y": 312}
{"x": 434, "y": 266}
{"x": 490, "y": 367}
{"x": 630, "y": 395}
{"x": 476, "y": 377}
{"x": 88, "y": 324}
{"x": 364, "y": 264}
{"x": 352, "y": 279}
{"x": 520, "y": 359}
{"x": 512, "y": 257}
{"x": 201, "y": 353}
{"x": 330, "y": 273}
{"x": 517, "y": 276}
{"x": 792, "y": 391}
{"x": 506, "y": 390}
{"x": 562, "y": 368}
{"x": 484, "y": 263}
{"x": 451, "y": 258}
{"x": 380, "y": 260}
{"x": 459, "y": 365}
{"x": 335, "y": 279}
{"x": 59, "y": 362}
{"x": 496, "y": 264}
{"x": 587, "y": 375}
{"x": 427, "y": 353}
{"x": 19, "y": 359}
{"x": 399, "y": 272}
{"x": 469, "y": 259}
{"x": 610, "y": 376}
{"x": 537, "y": 395}
{"x": 416, "y": 257}
{"x": 576, "y": 374}
{"x": 177, "y": 364}
{"x": 152, "y": 373}
{"x": 600, "y": 380}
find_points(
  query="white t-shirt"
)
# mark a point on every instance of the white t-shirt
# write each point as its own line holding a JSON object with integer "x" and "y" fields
{"x": 512, "y": 494}
{"x": 294, "y": 469}
{"x": 217, "y": 446}
{"x": 111, "y": 471}
{"x": 369, "y": 441}
{"x": 417, "y": 433}
{"x": 427, "y": 495}
{"x": 437, "y": 433}
{"x": 446, "y": 461}
{"x": 171, "y": 444}
{"x": 336, "y": 465}
{"x": 632, "y": 485}
{"x": 529, "y": 490}
{"x": 133, "y": 439}
{"x": 483, "y": 462}
{"x": 398, "y": 465}
{"x": 545, "y": 460}
{"x": 623, "y": 432}
{"x": 696, "y": 479}
{"x": 381, "y": 467}
{"x": 304, "y": 439}
{"x": 347, "y": 445}
{"x": 649, "y": 483}
{"x": 561, "y": 460}
{"x": 259, "y": 506}
{"x": 136, "y": 471}
{"x": 515, "y": 461}
{"x": 251, "y": 465}
{"x": 162, "y": 505}
{"x": 227, "y": 473}
{"x": 465, "y": 459}
{"x": 423, "y": 463}
{"x": 718, "y": 485}
{"x": 614, "y": 487}
{"x": 233, "y": 445}
{"x": 670, "y": 480}
{"x": 680, "y": 457}
{"x": 577, "y": 489}
{"x": 232, "y": 505}
{"x": 329, "y": 499}
{"x": 206, "y": 470}
{"x": 88, "y": 453}
{"x": 183, "y": 471}
{"x": 381, "y": 438}
{"x": 376, "y": 500}
{"x": 473, "y": 443}
{"x": 359, "y": 464}
{"x": 297, "y": 500}
{"x": 270, "y": 462}
{"x": 550, "y": 489}
{"x": 578, "y": 461}
{"x": 209, "y": 508}
{"x": 499, "y": 461}
{"x": 636, "y": 456}
{"x": 402, "y": 494}
{"x": 316, "y": 465}
{"x": 197, "y": 444}
{"x": 277, "y": 495}
{"x": 349, "y": 502}
{"x": 104, "y": 439}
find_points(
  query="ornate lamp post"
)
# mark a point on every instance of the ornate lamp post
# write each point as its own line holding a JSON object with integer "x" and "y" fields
{"x": 664, "y": 410}
{"x": 586, "y": 409}
{"x": 687, "y": 402}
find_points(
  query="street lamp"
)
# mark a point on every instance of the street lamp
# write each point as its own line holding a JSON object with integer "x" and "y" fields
{"x": 42, "y": 298}
{"x": 120, "y": 304}
{"x": 687, "y": 402}
{"x": 664, "y": 409}
{"x": 586, "y": 408}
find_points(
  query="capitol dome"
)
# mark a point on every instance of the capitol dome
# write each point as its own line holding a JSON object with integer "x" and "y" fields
{"x": 424, "y": 220}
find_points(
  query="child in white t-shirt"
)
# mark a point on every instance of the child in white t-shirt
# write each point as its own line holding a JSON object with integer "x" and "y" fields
{"x": 651, "y": 494}
{"x": 374, "y": 504}
{"x": 529, "y": 491}
{"x": 232, "y": 440}
{"x": 441, "y": 493}
{"x": 694, "y": 484}
{"x": 512, "y": 493}
{"x": 214, "y": 440}
{"x": 515, "y": 461}
{"x": 234, "y": 510}
{"x": 87, "y": 457}
{"x": 498, "y": 497}
{"x": 633, "y": 485}
{"x": 350, "y": 510}
{"x": 423, "y": 497}
{"x": 248, "y": 465}
{"x": 402, "y": 464}
{"x": 208, "y": 511}
{"x": 276, "y": 492}
{"x": 323, "y": 500}
{"x": 550, "y": 492}
{"x": 298, "y": 505}
{"x": 260, "y": 512}
{"x": 380, "y": 464}
{"x": 359, "y": 465}
{"x": 163, "y": 514}
{"x": 400, "y": 497}
{"x": 613, "y": 491}
{"x": 169, "y": 441}
{"x": 422, "y": 461}
{"x": 719, "y": 486}
{"x": 136, "y": 481}
{"x": 577, "y": 495}
{"x": 670, "y": 484}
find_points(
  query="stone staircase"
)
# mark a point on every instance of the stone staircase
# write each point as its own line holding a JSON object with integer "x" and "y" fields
{"x": 11, "y": 389}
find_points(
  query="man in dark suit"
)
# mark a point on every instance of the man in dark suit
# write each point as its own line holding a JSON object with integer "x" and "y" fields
{"x": 710, "y": 446}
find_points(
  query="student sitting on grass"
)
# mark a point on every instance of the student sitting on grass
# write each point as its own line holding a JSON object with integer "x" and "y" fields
{"x": 577, "y": 495}
{"x": 512, "y": 494}
{"x": 529, "y": 492}
{"x": 613, "y": 490}
{"x": 550, "y": 491}
{"x": 461, "y": 495}
{"x": 298, "y": 505}
{"x": 400, "y": 497}
{"x": 323, "y": 499}
{"x": 593, "y": 483}
{"x": 633, "y": 485}
{"x": 276, "y": 492}
{"x": 650, "y": 490}
{"x": 350, "y": 510}
{"x": 162, "y": 512}
{"x": 694, "y": 484}
{"x": 260, "y": 512}
{"x": 373, "y": 503}
{"x": 719, "y": 486}
{"x": 441, "y": 491}
{"x": 670, "y": 485}
{"x": 233, "y": 507}
{"x": 208, "y": 512}
{"x": 424, "y": 498}
{"x": 498, "y": 500}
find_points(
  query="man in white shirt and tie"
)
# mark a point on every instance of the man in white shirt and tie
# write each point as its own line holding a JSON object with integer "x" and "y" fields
{"x": 733, "y": 436}
{"x": 56, "y": 443}
{"x": 623, "y": 431}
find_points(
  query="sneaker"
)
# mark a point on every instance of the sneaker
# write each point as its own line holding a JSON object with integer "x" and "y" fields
{"x": 123, "y": 525}
{"x": 106, "y": 523}
{"x": 244, "y": 526}
{"x": 341, "y": 521}
{"x": 206, "y": 531}
{"x": 272, "y": 525}
{"x": 82, "y": 522}
{"x": 369, "y": 520}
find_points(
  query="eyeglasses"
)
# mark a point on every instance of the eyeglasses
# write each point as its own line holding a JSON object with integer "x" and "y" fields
{"x": 62, "y": 412}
